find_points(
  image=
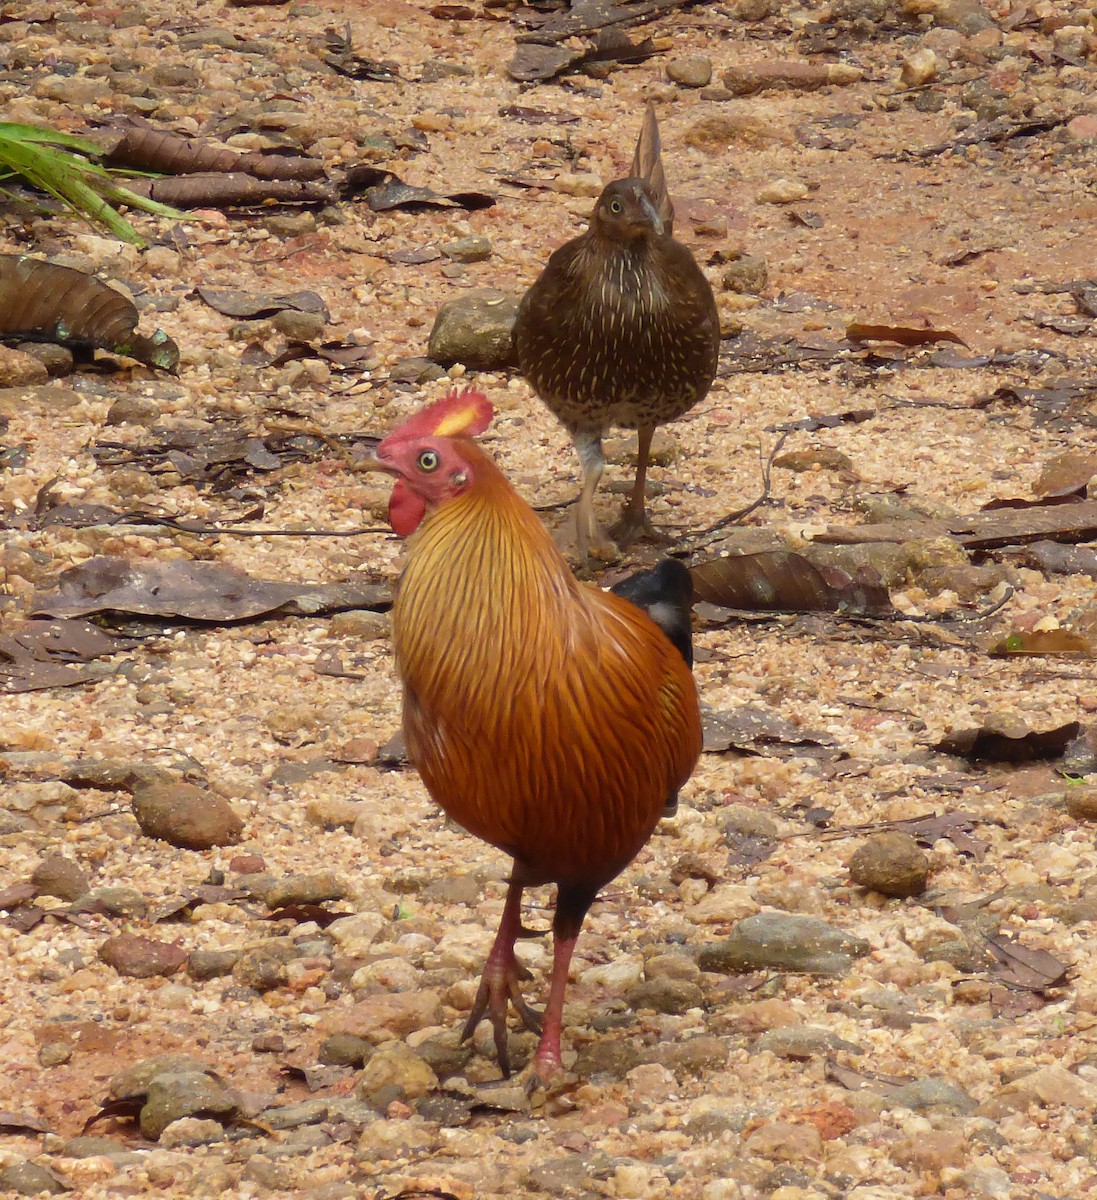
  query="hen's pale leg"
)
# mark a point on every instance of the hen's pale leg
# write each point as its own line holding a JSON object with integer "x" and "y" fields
{"x": 589, "y": 538}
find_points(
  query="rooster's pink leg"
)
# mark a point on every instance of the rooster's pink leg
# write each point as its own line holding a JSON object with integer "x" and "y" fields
{"x": 499, "y": 982}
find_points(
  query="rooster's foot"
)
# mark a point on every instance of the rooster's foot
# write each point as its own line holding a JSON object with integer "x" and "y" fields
{"x": 498, "y": 989}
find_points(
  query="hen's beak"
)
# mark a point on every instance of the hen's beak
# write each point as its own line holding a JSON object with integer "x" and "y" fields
{"x": 652, "y": 214}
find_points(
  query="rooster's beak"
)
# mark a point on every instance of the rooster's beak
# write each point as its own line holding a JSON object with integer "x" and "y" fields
{"x": 364, "y": 456}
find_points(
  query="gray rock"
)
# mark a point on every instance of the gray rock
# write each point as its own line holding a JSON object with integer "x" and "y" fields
{"x": 55, "y": 1054}
{"x": 187, "y": 816}
{"x": 932, "y": 1093}
{"x": 59, "y": 876}
{"x": 475, "y": 329}
{"x": 29, "y": 1179}
{"x": 118, "y": 901}
{"x": 211, "y": 964}
{"x": 298, "y": 326}
{"x": 133, "y": 410}
{"x": 691, "y": 70}
{"x": 457, "y": 889}
{"x": 467, "y": 249}
{"x": 308, "y": 1112}
{"x": 346, "y": 1050}
{"x": 779, "y": 941}
{"x": 57, "y": 360}
{"x": 891, "y": 863}
{"x": 305, "y": 889}
{"x": 415, "y": 370}
{"x": 263, "y": 967}
{"x": 183, "y": 1094}
{"x": 694, "y": 1056}
{"x": 133, "y": 1083}
{"x": 672, "y": 966}
{"x": 91, "y": 1147}
{"x": 141, "y": 957}
{"x": 114, "y": 774}
{"x": 665, "y": 995}
{"x": 803, "y": 1041}
{"x": 445, "y": 1053}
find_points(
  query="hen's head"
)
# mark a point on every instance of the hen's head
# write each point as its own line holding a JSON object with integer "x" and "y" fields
{"x": 627, "y": 210}
{"x": 427, "y": 454}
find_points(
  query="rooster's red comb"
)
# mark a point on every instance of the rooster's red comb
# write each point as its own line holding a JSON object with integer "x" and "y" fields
{"x": 457, "y": 414}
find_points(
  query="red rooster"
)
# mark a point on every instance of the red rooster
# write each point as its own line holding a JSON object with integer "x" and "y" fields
{"x": 549, "y": 718}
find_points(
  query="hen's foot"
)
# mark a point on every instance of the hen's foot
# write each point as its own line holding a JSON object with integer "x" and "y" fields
{"x": 499, "y": 988}
{"x": 634, "y": 526}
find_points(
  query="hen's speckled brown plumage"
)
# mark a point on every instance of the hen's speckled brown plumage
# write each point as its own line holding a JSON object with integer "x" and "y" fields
{"x": 621, "y": 327}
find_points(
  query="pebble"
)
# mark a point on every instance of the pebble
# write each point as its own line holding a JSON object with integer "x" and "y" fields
{"x": 50, "y": 397}
{"x": 290, "y": 1116}
{"x": 380, "y": 1018}
{"x": 722, "y": 1189}
{"x": 823, "y": 458}
{"x": 305, "y": 889}
{"x": 694, "y": 1056}
{"x": 919, "y": 68}
{"x": 1053, "y": 1086}
{"x": 91, "y": 1147}
{"x": 133, "y": 1083}
{"x": 118, "y": 901}
{"x": 77, "y": 90}
{"x": 192, "y": 1131}
{"x": 184, "y": 815}
{"x": 571, "y": 183}
{"x": 395, "y": 1065}
{"x": 59, "y": 876}
{"x": 344, "y": 1050}
{"x": 1083, "y": 128}
{"x": 746, "y": 275}
{"x": 782, "y": 1141}
{"x": 783, "y": 942}
{"x": 263, "y": 967}
{"x": 141, "y": 957}
{"x": 443, "y": 1052}
{"x": 55, "y": 1054}
{"x": 133, "y": 410}
{"x": 19, "y": 369}
{"x": 717, "y": 131}
{"x": 475, "y": 329}
{"x": 891, "y": 863}
{"x": 931, "y": 1150}
{"x": 665, "y": 995}
{"x": 211, "y": 964}
{"x": 29, "y": 1179}
{"x": 467, "y": 249}
{"x": 782, "y": 191}
{"x": 691, "y": 70}
{"x": 803, "y": 1041}
{"x": 298, "y": 326}
{"x": 416, "y": 369}
{"x": 182, "y": 1094}
{"x": 926, "y": 1094}
{"x": 672, "y": 966}
{"x": 1081, "y": 803}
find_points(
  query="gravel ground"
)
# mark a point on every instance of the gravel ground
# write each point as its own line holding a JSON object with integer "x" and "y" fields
{"x": 896, "y": 1057}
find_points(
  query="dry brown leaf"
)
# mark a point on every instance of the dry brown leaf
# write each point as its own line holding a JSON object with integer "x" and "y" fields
{"x": 1023, "y": 967}
{"x": 904, "y": 335}
{"x": 1015, "y": 744}
{"x": 1043, "y": 642}
{"x": 783, "y": 581}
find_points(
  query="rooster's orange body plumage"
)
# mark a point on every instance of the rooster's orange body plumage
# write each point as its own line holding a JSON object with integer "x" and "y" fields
{"x": 547, "y": 717}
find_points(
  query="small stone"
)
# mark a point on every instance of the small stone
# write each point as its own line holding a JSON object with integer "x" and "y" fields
{"x": 931, "y": 1150}
{"x": 59, "y": 876}
{"x": 185, "y": 815}
{"x": 49, "y": 398}
{"x": 457, "y": 889}
{"x": 118, "y": 902}
{"x": 333, "y": 812}
{"x": 1081, "y": 803}
{"x": 1053, "y": 1086}
{"x": 192, "y": 1131}
{"x": 133, "y": 410}
{"x": 133, "y": 1083}
{"x": 803, "y": 1041}
{"x": 919, "y": 68}
{"x": 694, "y": 1056}
{"x": 211, "y": 964}
{"x": 467, "y": 249}
{"x": 140, "y": 957}
{"x": 55, "y": 1054}
{"x": 475, "y": 329}
{"x": 665, "y": 995}
{"x": 570, "y": 183}
{"x": 891, "y": 863}
{"x": 783, "y": 942}
{"x": 298, "y": 326}
{"x": 344, "y": 1050}
{"x": 183, "y": 1094}
{"x": 444, "y": 1052}
{"x": 781, "y": 1141}
{"x": 77, "y": 90}
{"x": 306, "y": 889}
{"x": 926, "y": 1094}
{"x": 691, "y": 70}
{"x": 383, "y": 1017}
{"x": 672, "y": 966}
{"x": 823, "y": 458}
{"x": 29, "y": 1179}
{"x": 416, "y": 369}
{"x": 87, "y": 1147}
{"x": 398, "y": 1066}
{"x": 18, "y": 369}
{"x": 263, "y": 967}
{"x": 746, "y": 275}
{"x": 717, "y": 131}
{"x": 1083, "y": 128}
{"x": 782, "y": 191}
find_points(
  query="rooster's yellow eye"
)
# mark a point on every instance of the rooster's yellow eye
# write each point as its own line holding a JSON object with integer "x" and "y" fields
{"x": 428, "y": 461}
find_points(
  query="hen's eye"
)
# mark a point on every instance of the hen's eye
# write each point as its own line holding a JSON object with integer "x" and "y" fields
{"x": 428, "y": 460}
{"x": 616, "y": 207}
